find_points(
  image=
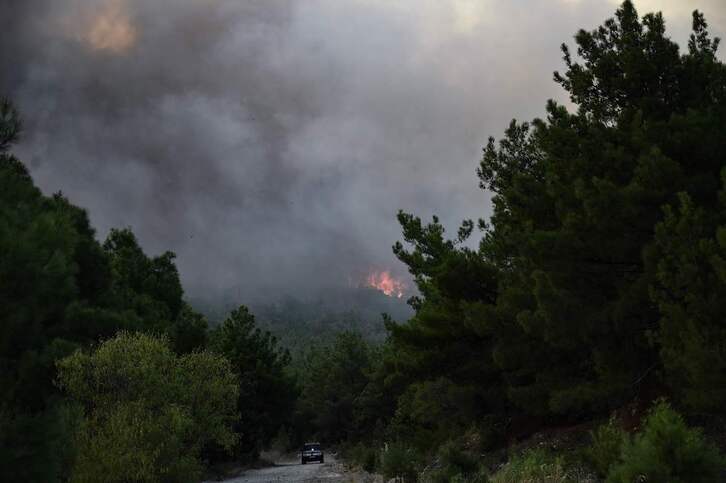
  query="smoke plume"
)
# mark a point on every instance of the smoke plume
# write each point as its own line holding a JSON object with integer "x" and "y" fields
{"x": 270, "y": 143}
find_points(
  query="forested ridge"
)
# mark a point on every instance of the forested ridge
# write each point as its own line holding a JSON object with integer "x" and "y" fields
{"x": 300, "y": 322}
{"x": 592, "y": 309}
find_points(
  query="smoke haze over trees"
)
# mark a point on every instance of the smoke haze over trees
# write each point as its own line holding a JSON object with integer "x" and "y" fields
{"x": 593, "y": 285}
{"x": 263, "y": 140}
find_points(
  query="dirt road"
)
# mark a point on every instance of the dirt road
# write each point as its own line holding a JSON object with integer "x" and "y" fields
{"x": 293, "y": 472}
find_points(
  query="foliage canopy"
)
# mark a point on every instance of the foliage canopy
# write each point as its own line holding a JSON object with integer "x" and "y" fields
{"x": 148, "y": 413}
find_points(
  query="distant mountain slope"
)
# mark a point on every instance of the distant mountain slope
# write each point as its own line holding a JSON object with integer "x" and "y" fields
{"x": 298, "y": 323}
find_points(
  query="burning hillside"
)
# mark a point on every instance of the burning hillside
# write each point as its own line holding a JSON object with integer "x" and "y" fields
{"x": 384, "y": 282}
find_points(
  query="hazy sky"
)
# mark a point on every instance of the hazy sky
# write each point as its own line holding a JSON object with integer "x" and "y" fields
{"x": 270, "y": 143}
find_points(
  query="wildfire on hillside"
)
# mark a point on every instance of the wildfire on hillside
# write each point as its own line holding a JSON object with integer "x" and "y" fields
{"x": 384, "y": 282}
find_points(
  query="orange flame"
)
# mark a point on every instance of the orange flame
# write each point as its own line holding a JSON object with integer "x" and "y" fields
{"x": 384, "y": 282}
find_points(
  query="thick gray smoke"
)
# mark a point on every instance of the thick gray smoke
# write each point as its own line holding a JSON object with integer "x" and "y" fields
{"x": 270, "y": 143}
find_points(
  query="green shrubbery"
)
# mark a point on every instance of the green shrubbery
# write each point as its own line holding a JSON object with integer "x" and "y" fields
{"x": 668, "y": 451}
{"x": 147, "y": 413}
{"x": 457, "y": 460}
{"x": 533, "y": 467}
{"x": 665, "y": 450}
{"x": 400, "y": 460}
{"x": 454, "y": 464}
{"x": 605, "y": 449}
{"x": 363, "y": 455}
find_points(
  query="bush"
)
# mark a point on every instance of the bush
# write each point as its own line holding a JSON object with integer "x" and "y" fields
{"x": 147, "y": 413}
{"x": 605, "y": 450}
{"x": 489, "y": 432}
{"x": 441, "y": 476}
{"x": 667, "y": 451}
{"x": 399, "y": 460}
{"x": 538, "y": 466}
{"x": 365, "y": 456}
{"x": 455, "y": 461}
{"x": 368, "y": 460}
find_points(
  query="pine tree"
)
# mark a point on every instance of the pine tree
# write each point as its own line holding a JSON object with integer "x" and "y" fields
{"x": 569, "y": 298}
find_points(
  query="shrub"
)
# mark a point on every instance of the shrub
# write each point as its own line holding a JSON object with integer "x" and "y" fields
{"x": 667, "y": 451}
{"x": 368, "y": 460}
{"x": 490, "y": 431}
{"x": 441, "y": 476}
{"x": 363, "y": 455}
{"x": 399, "y": 460}
{"x": 537, "y": 466}
{"x": 605, "y": 450}
{"x": 147, "y": 413}
{"x": 456, "y": 461}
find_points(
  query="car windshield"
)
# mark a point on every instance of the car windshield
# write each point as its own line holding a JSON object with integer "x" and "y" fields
{"x": 312, "y": 447}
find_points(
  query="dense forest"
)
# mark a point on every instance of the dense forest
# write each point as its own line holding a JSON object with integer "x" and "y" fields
{"x": 300, "y": 322}
{"x": 595, "y": 299}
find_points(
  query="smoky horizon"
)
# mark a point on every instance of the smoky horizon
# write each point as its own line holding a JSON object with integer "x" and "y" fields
{"x": 270, "y": 144}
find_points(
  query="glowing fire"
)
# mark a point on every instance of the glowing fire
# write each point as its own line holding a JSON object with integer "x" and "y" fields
{"x": 111, "y": 28}
{"x": 384, "y": 282}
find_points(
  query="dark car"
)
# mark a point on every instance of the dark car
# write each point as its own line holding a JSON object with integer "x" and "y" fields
{"x": 311, "y": 452}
